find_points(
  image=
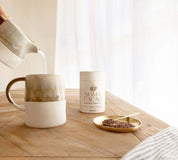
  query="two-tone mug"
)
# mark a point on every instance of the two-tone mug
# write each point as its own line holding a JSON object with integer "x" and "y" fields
{"x": 45, "y": 104}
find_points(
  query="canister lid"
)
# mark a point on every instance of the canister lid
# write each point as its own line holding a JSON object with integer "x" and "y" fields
{"x": 92, "y": 75}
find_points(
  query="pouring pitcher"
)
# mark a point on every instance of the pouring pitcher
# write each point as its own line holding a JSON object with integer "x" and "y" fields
{"x": 16, "y": 41}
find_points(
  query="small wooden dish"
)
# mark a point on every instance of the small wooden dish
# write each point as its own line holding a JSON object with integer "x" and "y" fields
{"x": 98, "y": 123}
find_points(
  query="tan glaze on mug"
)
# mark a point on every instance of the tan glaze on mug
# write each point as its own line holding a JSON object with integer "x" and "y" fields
{"x": 41, "y": 88}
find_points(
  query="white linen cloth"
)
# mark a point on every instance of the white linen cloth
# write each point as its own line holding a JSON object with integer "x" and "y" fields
{"x": 161, "y": 146}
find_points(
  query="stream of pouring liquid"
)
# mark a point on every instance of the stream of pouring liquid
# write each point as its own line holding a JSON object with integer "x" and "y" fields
{"x": 43, "y": 61}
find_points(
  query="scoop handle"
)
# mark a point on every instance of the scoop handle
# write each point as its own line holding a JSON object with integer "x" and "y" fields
{"x": 130, "y": 115}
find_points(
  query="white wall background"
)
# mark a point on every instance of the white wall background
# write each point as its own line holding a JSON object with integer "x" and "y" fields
{"x": 37, "y": 18}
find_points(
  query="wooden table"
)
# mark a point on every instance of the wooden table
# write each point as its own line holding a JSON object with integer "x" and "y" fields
{"x": 78, "y": 139}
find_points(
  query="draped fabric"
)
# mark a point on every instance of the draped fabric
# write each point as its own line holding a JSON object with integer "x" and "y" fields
{"x": 133, "y": 41}
{"x": 161, "y": 146}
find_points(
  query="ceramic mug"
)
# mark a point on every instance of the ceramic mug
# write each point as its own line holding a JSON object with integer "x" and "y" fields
{"x": 45, "y": 104}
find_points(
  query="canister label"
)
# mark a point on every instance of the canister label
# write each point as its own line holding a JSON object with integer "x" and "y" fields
{"x": 92, "y": 96}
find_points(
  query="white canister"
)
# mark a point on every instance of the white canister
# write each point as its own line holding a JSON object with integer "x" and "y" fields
{"x": 92, "y": 92}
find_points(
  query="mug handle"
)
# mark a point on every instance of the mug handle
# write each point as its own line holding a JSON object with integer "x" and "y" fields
{"x": 8, "y": 95}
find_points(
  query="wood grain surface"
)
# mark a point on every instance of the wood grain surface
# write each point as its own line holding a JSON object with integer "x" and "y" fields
{"x": 77, "y": 139}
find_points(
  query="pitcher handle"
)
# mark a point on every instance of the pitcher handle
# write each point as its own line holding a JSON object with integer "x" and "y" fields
{"x": 8, "y": 95}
